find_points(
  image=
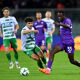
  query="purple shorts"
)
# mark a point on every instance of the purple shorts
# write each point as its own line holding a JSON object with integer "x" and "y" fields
{"x": 40, "y": 43}
{"x": 69, "y": 48}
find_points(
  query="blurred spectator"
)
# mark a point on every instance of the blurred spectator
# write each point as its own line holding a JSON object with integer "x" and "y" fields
{"x": 40, "y": 3}
{"x": 60, "y": 6}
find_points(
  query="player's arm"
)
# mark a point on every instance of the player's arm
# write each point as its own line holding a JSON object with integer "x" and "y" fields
{"x": 16, "y": 25}
{"x": 16, "y": 29}
{"x": 59, "y": 24}
{"x": 1, "y": 33}
{"x": 45, "y": 29}
{"x": 52, "y": 31}
{"x": 29, "y": 31}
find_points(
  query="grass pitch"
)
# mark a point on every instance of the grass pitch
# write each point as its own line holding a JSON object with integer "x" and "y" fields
{"x": 62, "y": 69}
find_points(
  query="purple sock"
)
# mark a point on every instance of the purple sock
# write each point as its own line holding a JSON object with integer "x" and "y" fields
{"x": 49, "y": 64}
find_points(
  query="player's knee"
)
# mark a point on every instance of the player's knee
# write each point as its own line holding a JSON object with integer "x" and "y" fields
{"x": 37, "y": 59}
{"x": 42, "y": 47}
{"x": 7, "y": 51}
{"x": 15, "y": 50}
{"x": 41, "y": 56}
{"x": 49, "y": 47}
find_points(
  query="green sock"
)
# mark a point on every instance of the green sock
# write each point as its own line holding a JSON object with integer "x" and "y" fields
{"x": 8, "y": 57}
{"x": 44, "y": 60}
{"x": 40, "y": 64}
{"x": 16, "y": 56}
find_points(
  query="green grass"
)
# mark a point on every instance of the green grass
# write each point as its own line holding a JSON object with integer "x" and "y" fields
{"x": 62, "y": 69}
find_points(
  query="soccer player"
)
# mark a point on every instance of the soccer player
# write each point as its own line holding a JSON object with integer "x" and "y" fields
{"x": 41, "y": 26}
{"x": 66, "y": 43}
{"x": 49, "y": 32}
{"x": 9, "y": 27}
{"x": 28, "y": 42}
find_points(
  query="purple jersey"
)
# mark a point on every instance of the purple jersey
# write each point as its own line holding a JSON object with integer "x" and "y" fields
{"x": 40, "y": 27}
{"x": 66, "y": 33}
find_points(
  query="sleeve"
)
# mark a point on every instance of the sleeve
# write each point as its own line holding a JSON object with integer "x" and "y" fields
{"x": 15, "y": 21}
{"x": 68, "y": 22}
{"x": 45, "y": 25}
{"x": 52, "y": 25}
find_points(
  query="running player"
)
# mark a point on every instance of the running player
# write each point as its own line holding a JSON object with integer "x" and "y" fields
{"x": 49, "y": 32}
{"x": 9, "y": 26}
{"x": 66, "y": 43}
{"x": 28, "y": 42}
{"x": 41, "y": 26}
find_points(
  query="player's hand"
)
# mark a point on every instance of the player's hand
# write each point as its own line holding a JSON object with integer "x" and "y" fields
{"x": 50, "y": 34}
{"x": 36, "y": 31}
{"x": 1, "y": 35}
{"x": 15, "y": 31}
{"x": 56, "y": 23}
{"x": 45, "y": 29}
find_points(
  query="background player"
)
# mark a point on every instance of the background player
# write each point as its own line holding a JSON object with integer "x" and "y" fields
{"x": 49, "y": 32}
{"x": 28, "y": 42}
{"x": 66, "y": 43}
{"x": 41, "y": 26}
{"x": 9, "y": 27}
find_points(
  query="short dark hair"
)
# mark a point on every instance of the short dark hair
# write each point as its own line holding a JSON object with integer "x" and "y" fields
{"x": 61, "y": 11}
{"x": 28, "y": 19}
{"x": 6, "y": 8}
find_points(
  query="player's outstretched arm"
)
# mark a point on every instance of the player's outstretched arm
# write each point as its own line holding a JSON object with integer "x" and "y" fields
{"x": 29, "y": 31}
{"x": 36, "y": 31}
{"x": 64, "y": 25}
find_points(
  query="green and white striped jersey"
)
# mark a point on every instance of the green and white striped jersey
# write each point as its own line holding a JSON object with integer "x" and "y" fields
{"x": 8, "y": 26}
{"x": 50, "y": 26}
{"x": 28, "y": 40}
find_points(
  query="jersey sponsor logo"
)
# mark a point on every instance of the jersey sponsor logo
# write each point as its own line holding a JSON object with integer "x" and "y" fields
{"x": 39, "y": 26}
{"x": 41, "y": 22}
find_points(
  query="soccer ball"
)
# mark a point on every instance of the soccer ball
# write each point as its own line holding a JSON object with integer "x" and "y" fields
{"x": 24, "y": 71}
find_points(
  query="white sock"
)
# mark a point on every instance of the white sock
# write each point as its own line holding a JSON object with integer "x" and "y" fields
{"x": 11, "y": 62}
{"x": 16, "y": 62}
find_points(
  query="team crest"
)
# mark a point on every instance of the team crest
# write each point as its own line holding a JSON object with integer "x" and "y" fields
{"x": 41, "y": 22}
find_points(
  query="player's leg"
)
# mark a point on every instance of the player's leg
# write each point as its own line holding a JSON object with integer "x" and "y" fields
{"x": 42, "y": 46}
{"x": 6, "y": 43}
{"x": 40, "y": 54}
{"x": 72, "y": 60}
{"x": 35, "y": 57}
{"x": 14, "y": 46}
{"x": 56, "y": 49}
{"x": 70, "y": 50}
{"x": 49, "y": 44}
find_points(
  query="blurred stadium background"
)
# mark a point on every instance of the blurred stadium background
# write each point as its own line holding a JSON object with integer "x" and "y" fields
{"x": 23, "y": 8}
{"x": 62, "y": 69}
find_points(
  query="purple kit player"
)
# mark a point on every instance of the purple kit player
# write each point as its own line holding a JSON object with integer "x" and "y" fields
{"x": 66, "y": 43}
{"x": 41, "y": 26}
